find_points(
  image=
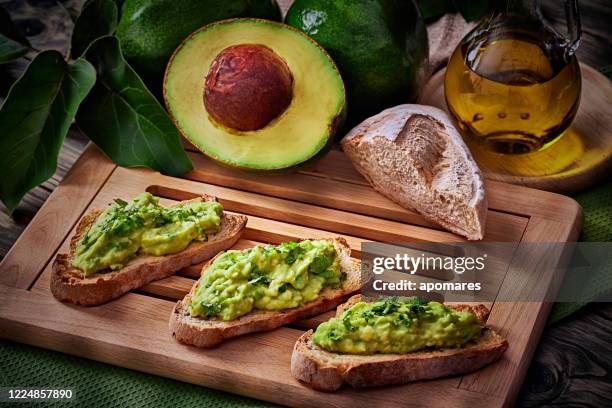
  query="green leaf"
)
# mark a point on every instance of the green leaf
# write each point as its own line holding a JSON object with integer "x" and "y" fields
{"x": 10, "y": 50}
{"x": 34, "y": 120}
{"x": 13, "y": 44}
{"x": 124, "y": 119}
{"x": 97, "y": 19}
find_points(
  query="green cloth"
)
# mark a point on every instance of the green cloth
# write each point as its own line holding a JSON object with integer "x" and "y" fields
{"x": 597, "y": 227}
{"x": 103, "y": 385}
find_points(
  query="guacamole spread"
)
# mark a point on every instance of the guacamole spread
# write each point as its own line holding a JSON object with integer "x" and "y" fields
{"x": 266, "y": 278}
{"x": 143, "y": 226}
{"x": 396, "y": 325}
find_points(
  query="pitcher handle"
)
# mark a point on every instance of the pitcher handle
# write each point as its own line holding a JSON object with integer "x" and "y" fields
{"x": 574, "y": 27}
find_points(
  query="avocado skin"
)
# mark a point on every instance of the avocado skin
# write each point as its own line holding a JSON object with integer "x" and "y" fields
{"x": 379, "y": 46}
{"x": 150, "y": 30}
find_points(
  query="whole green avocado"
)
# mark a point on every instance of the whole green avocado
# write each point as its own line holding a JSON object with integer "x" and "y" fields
{"x": 379, "y": 46}
{"x": 150, "y": 30}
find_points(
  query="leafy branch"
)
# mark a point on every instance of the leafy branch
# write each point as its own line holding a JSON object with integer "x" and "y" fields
{"x": 111, "y": 104}
{"x": 34, "y": 120}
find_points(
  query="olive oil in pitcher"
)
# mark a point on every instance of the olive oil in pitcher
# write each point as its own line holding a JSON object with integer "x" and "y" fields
{"x": 514, "y": 82}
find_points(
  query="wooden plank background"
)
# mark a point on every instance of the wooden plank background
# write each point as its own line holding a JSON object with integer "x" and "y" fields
{"x": 572, "y": 366}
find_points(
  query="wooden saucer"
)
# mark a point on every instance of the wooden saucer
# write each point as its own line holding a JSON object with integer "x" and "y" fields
{"x": 578, "y": 159}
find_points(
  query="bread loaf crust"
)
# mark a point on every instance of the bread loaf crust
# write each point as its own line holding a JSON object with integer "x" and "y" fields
{"x": 413, "y": 155}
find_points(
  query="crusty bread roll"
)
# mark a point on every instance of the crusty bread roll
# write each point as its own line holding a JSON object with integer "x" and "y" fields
{"x": 415, "y": 156}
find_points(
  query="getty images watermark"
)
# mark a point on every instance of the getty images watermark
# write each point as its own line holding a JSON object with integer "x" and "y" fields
{"x": 485, "y": 272}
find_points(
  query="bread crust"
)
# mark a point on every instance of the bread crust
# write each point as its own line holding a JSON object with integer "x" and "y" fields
{"x": 68, "y": 284}
{"x": 413, "y": 155}
{"x": 210, "y": 332}
{"x": 327, "y": 371}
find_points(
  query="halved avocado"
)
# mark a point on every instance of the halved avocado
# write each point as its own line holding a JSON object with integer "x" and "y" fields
{"x": 254, "y": 94}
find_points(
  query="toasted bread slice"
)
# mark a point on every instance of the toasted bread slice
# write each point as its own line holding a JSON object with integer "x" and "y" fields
{"x": 327, "y": 371}
{"x": 210, "y": 332}
{"x": 70, "y": 285}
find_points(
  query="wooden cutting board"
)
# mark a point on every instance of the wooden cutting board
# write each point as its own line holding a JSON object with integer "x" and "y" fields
{"x": 327, "y": 199}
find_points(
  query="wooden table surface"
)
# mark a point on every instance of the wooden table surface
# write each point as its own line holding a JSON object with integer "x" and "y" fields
{"x": 573, "y": 364}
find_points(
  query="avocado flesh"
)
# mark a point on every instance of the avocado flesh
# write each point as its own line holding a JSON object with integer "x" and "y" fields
{"x": 299, "y": 133}
{"x": 150, "y": 30}
{"x": 379, "y": 46}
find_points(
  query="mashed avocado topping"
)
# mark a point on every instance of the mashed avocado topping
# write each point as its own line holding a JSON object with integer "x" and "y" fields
{"x": 143, "y": 226}
{"x": 396, "y": 325}
{"x": 266, "y": 278}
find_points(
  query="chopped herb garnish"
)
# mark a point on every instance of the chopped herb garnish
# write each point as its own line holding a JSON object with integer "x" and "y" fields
{"x": 120, "y": 202}
{"x": 402, "y": 319}
{"x": 386, "y": 306}
{"x": 334, "y": 336}
{"x": 320, "y": 264}
{"x": 368, "y": 315}
{"x": 346, "y": 319}
{"x": 211, "y": 309}
{"x": 293, "y": 251}
{"x": 258, "y": 277}
{"x": 260, "y": 280}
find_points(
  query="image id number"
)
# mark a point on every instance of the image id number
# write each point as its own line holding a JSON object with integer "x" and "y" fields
{"x": 9, "y": 394}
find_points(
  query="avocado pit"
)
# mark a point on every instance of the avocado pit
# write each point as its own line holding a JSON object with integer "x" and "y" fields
{"x": 247, "y": 86}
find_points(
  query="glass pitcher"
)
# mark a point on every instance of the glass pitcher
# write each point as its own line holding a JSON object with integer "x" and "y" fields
{"x": 514, "y": 81}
